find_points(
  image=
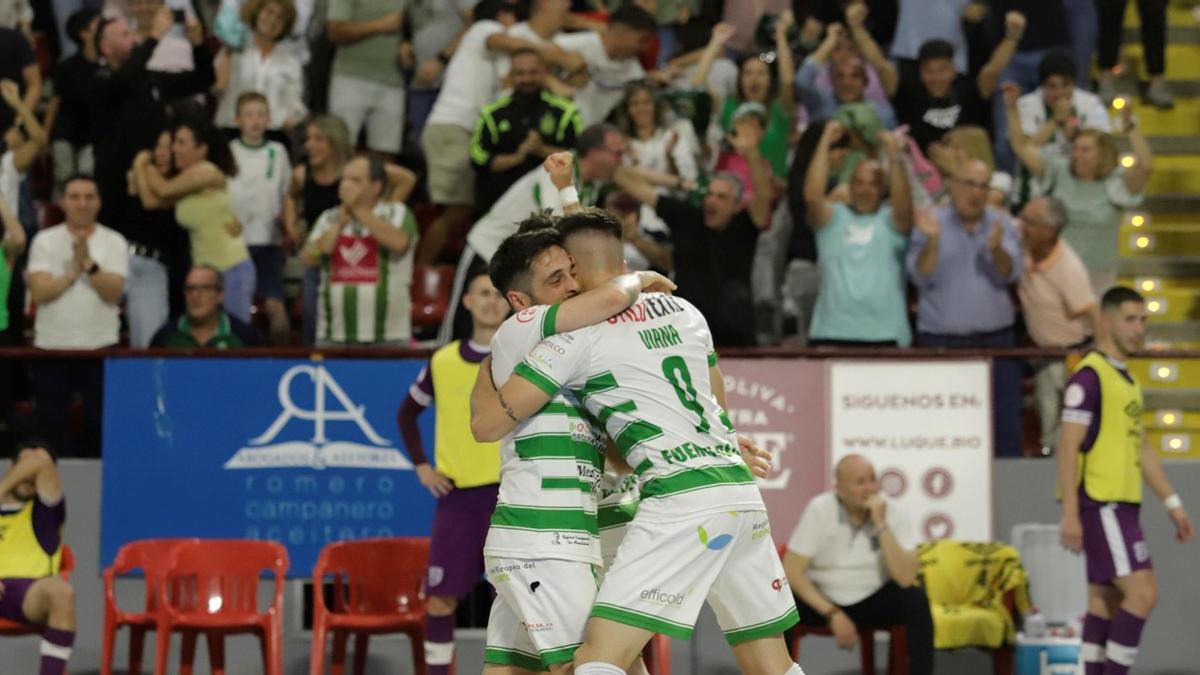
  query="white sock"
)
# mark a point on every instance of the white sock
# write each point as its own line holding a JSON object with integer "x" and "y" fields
{"x": 598, "y": 668}
{"x": 794, "y": 670}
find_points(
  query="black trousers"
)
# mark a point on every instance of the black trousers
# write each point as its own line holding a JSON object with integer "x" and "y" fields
{"x": 54, "y": 381}
{"x": 887, "y": 607}
{"x": 1154, "y": 33}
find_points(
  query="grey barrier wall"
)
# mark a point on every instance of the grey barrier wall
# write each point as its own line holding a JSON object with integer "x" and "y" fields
{"x": 1023, "y": 492}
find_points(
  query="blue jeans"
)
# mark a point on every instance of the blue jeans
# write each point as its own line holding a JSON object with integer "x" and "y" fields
{"x": 1083, "y": 23}
{"x": 239, "y": 289}
{"x": 308, "y": 319}
{"x": 146, "y": 305}
{"x": 1023, "y": 71}
{"x": 1006, "y": 384}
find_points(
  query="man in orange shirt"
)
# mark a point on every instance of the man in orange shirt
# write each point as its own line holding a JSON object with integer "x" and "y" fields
{"x": 1059, "y": 304}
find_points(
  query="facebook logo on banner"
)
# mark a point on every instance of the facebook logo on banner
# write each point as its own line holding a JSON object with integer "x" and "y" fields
{"x": 293, "y": 451}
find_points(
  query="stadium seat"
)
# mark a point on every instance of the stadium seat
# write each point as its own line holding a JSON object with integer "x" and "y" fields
{"x": 211, "y": 587}
{"x": 431, "y": 293}
{"x": 151, "y": 556}
{"x": 65, "y": 567}
{"x": 657, "y": 655}
{"x": 377, "y": 589}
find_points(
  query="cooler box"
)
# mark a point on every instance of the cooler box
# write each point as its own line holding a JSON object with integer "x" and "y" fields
{"x": 1048, "y": 656}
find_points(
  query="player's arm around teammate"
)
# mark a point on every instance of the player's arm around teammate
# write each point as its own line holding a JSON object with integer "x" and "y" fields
{"x": 491, "y": 417}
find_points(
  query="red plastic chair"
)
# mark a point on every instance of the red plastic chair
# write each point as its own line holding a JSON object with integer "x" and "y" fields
{"x": 431, "y": 289}
{"x": 211, "y": 587}
{"x": 377, "y": 589}
{"x": 66, "y": 565}
{"x": 657, "y": 655}
{"x": 152, "y": 556}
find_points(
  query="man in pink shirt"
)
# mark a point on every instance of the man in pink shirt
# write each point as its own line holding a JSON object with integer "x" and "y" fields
{"x": 1058, "y": 302}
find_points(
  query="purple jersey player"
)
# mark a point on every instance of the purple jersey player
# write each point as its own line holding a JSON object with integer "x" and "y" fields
{"x": 466, "y": 477}
{"x": 1103, "y": 458}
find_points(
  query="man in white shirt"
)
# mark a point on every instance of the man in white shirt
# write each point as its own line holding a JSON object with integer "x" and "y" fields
{"x": 612, "y": 59}
{"x": 852, "y": 562}
{"x": 77, "y": 273}
{"x": 468, "y": 85}
{"x": 598, "y": 152}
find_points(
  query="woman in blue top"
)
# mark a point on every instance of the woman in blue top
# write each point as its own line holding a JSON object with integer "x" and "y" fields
{"x": 861, "y": 247}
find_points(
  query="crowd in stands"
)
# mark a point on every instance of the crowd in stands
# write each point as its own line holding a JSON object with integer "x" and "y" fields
{"x": 271, "y": 172}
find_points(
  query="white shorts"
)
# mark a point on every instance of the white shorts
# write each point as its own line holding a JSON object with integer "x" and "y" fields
{"x": 664, "y": 572}
{"x": 540, "y": 611}
{"x": 379, "y": 106}
{"x": 610, "y": 543}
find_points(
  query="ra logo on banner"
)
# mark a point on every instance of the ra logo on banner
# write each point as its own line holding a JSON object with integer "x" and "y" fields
{"x": 320, "y": 450}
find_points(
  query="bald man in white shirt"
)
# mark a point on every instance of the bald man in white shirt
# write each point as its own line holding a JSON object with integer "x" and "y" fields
{"x": 852, "y": 562}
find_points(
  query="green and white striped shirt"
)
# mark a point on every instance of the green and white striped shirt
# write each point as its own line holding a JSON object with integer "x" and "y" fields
{"x": 644, "y": 375}
{"x": 550, "y": 464}
{"x": 364, "y": 294}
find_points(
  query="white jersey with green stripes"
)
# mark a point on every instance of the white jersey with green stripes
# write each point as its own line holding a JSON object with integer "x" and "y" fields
{"x": 550, "y": 464}
{"x": 644, "y": 375}
{"x": 364, "y": 293}
{"x": 618, "y": 502}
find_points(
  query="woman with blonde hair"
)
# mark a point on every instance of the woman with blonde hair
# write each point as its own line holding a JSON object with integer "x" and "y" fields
{"x": 265, "y": 66}
{"x": 1091, "y": 183}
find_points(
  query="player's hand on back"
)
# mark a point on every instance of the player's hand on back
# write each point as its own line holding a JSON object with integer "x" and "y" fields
{"x": 653, "y": 282}
{"x": 435, "y": 481}
{"x": 1070, "y": 532}
{"x": 756, "y": 458}
{"x": 1183, "y": 524}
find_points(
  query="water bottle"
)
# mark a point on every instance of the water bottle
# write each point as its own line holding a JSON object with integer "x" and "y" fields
{"x": 1035, "y": 624}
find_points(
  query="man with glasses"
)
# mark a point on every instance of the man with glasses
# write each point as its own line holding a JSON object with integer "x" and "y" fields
{"x": 962, "y": 258}
{"x": 1059, "y": 304}
{"x": 205, "y": 322}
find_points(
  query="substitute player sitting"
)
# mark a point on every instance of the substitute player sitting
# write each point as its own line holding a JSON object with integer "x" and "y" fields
{"x": 32, "y": 512}
{"x": 701, "y": 530}
{"x": 467, "y": 473}
{"x": 1103, "y": 457}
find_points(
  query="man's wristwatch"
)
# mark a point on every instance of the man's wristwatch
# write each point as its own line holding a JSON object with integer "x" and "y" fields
{"x": 95, "y": 267}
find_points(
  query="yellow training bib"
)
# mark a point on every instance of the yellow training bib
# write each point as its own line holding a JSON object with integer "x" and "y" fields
{"x": 1112, "y": 470}
{"x": 457, "y": 454}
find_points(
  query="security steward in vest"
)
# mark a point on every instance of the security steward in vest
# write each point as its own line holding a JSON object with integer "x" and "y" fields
{"x": 515, "y": 133}
{"x": 465, "y": 475}
{"x": 1103, "y": 456}
{"x": 32, "y": 512}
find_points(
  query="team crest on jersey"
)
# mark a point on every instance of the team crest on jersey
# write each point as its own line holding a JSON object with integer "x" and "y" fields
{"x": 526, "y": 315}
{"x": 329, "y": 444}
